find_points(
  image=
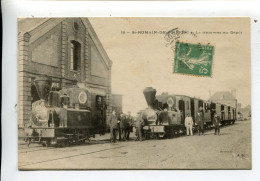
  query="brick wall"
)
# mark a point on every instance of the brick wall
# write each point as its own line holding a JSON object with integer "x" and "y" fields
{"x": 24, "y": 85}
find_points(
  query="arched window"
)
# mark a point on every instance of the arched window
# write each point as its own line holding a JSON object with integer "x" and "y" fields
{"x": 75, "y": 53}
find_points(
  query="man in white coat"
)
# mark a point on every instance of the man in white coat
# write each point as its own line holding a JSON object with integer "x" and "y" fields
{"x": 189, "y": 125}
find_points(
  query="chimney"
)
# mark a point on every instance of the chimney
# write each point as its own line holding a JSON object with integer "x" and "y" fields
{"x": 149, "y": 94}
{"x": 43, "y": 86}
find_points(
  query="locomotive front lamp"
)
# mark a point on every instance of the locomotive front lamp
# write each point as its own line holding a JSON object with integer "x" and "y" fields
{"x": 83, "y": 97}
{"x": 170, "y": 102}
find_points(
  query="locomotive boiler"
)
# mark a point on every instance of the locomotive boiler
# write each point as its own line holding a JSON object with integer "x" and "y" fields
{"x": 62, "y": 116}
{"x": 165, "y": 115}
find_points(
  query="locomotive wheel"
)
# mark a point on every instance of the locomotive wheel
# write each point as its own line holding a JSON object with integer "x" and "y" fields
{"x": 43, "y": 143}
{"x": 147, "y": 136}
{"x": 156, "y": 136}
{"x": 47, "y": 144}
{"x": 172, "y": 134}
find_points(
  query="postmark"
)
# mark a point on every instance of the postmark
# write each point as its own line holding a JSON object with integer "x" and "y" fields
{"x": 173, "y": 36}
{"x": 193, "y": 59}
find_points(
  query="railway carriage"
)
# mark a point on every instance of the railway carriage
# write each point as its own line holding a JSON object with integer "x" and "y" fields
{"x": 166, "y": 114}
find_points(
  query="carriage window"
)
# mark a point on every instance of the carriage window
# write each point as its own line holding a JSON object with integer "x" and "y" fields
{"x": 200, "y": 103}
{"x": 206, "y": 107}
{"x": 75, "y": 48}
{"x": 188, "y": 105}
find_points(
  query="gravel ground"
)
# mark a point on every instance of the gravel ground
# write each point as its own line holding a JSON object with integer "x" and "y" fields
{"x": 230, "y": 150}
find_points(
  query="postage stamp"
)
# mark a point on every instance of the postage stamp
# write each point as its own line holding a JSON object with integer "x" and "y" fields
{"x": 193, "y": 59}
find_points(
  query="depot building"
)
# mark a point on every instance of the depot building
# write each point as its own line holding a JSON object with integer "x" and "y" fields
{"x": 68, "y": 51}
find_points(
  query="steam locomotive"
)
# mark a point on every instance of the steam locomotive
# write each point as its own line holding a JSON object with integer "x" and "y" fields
{"x": 61, "y": 116}
{"x": 165, "y": 114}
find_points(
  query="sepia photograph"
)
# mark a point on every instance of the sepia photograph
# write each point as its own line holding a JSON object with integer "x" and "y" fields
{"x": 134, "y": 93}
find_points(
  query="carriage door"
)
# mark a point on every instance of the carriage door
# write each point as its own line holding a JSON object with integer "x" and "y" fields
{"x": 187, "y": 106}
{"x": 192, "y": 109}
{"x": 229, "y": 113}
{"x": 213, "y": 109}
{"x": 182, "y": 110}
{"x": 201, "y": 105}
{"x": 201, "y": 108}
{"x": 222, "y": 113}
{"x": 101, "y": 106}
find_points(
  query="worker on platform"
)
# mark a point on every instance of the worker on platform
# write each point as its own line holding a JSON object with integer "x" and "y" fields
{"x": 113, "y": 126}
{"x": 139, "y": 123}
{"x": 189, "y": 124}
{"x": 123, "y": 126}
{"x": 200, "y": 121}
{"x": 129, "y": 124}
{"x": 216, "y": 122}
{"x": 119, "y": 126}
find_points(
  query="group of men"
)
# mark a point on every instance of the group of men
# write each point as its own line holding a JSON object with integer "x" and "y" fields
{"x": 122, "y": 125}
{"x": 200, "y": 123}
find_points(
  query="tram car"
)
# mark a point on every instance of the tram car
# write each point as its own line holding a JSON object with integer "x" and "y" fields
{"x": 165, "y": 114}
{"x": 60, "y": 117}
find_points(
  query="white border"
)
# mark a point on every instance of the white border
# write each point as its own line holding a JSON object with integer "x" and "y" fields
{"x": 12, "y": 9}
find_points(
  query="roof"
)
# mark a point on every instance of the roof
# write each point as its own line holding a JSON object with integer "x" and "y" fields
{"x": 25, "y": 24}
{"x": 163, "y": 97}
{"x": 225, "y": 95}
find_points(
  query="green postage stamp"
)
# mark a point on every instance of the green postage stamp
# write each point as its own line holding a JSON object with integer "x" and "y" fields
{"x": 193, "y": 59}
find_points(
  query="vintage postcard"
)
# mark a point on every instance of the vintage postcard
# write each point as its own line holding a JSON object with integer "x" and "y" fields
{"x": 134, "y": 93}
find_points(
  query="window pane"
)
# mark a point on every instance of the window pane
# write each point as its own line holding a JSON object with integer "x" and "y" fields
{"x": 71, "y": 56}
{"x": 75, "y": 55}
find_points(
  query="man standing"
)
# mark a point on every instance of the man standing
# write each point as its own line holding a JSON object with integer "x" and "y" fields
{"x": 113, "y": 126}
{"x": 139, "y": 125}
{"x": 200, "y": 121}
{"x": 123, "y": 126}
{"x": 189, "y": 125}
{"x": 216, "y": 122}
{"x": 118, "y": 126}
{"x": 129, "y": 125}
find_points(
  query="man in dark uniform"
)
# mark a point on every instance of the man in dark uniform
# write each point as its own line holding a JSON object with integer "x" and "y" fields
{"x": 113, "y": 126}
{"x": 129, "y": 125}
{"x": 118, "y": 126}
{"x": 139, "y": 125}
{"x": 123, "y": 126}
{"x": 216, "y": 122}
{"x": 200, "y": 121}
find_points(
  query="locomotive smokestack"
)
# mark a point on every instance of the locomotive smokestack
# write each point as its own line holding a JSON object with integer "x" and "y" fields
{"x": 149, "y": 94}
{"x": 43, "y": 86}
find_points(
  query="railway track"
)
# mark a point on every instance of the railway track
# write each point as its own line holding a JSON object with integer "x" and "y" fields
{"x": 71, "y": 156}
